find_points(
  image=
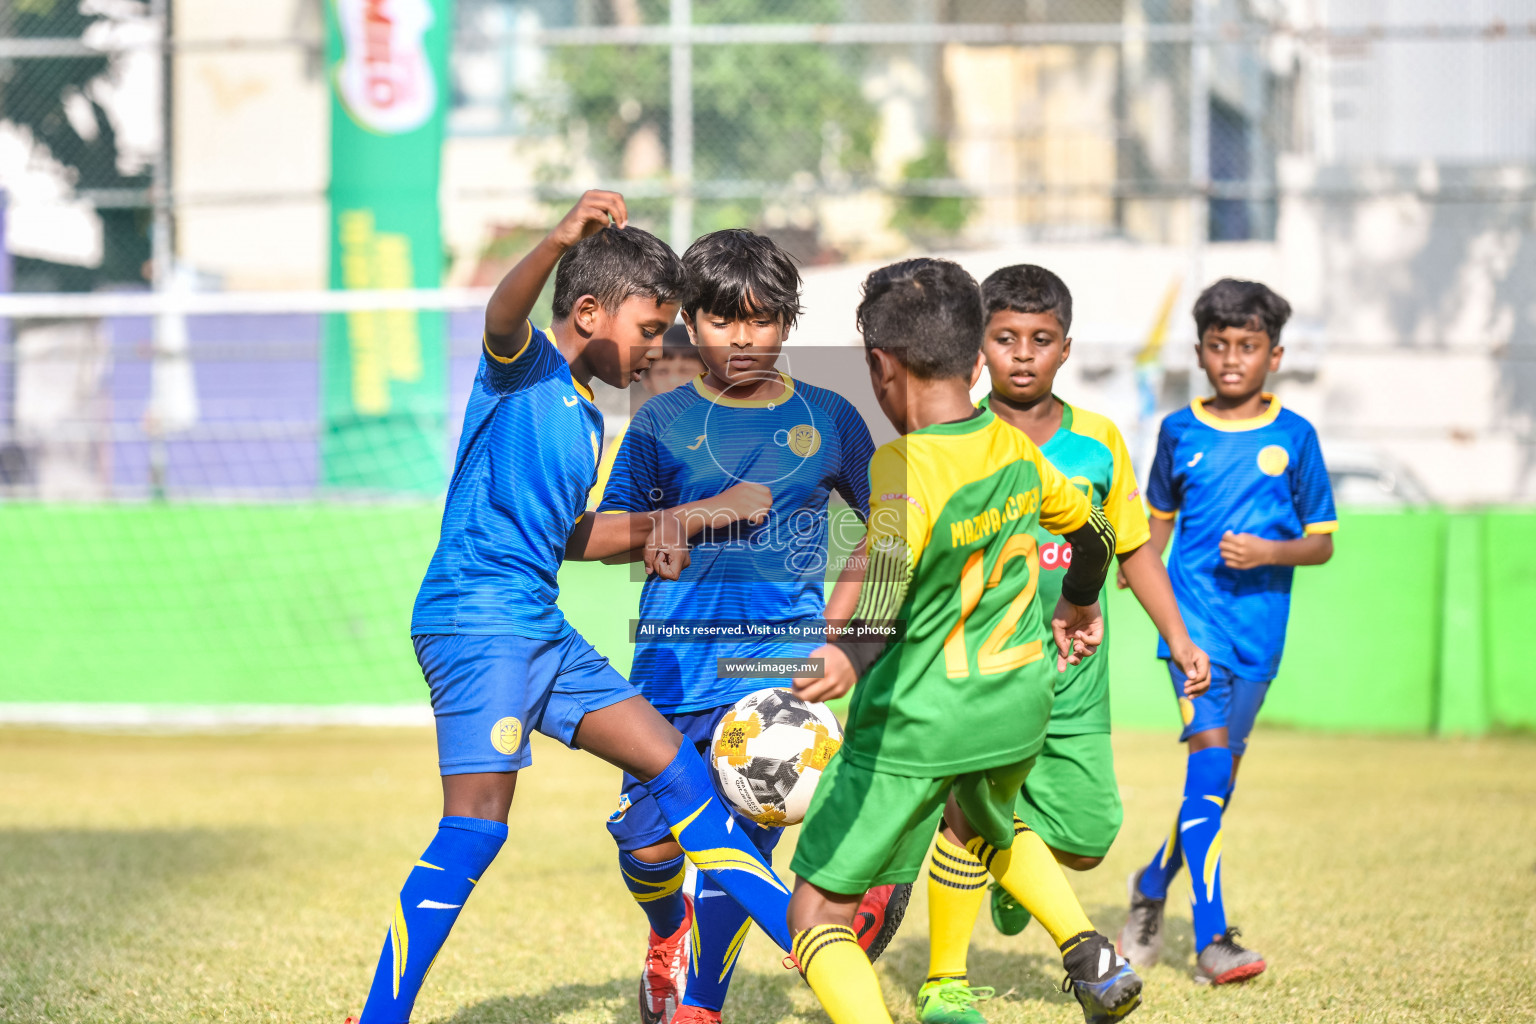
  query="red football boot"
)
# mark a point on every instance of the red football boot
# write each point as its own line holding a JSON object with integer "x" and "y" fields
{"x": 665, "y": 976}
{"x": 879, "y": 915}
{"x": 696, "y": 1015}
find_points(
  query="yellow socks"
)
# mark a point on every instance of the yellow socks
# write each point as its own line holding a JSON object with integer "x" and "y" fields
{"x": 841, "y": 975}
{"x": 957, "y": 885}
{"x": 1029, "y": 872}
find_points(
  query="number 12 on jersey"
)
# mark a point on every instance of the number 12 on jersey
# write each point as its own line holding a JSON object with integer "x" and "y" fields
{"x": 994, "y": 657}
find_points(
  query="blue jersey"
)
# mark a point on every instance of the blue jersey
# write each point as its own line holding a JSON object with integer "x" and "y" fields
{"x": 1263, "y": 476}
{"x": 527, "y": 458}
{"x": 689, "y": 444}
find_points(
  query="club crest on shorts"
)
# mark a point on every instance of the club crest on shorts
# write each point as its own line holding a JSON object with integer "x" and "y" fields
{"x": 507, "y": 735}
{"x": 804, "y": 440}
{"x": 623, "y": 809}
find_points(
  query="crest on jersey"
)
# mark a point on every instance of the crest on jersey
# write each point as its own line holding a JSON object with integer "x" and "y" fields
{"x": 804, "y": 440}
{"x": 1273, "y": 459}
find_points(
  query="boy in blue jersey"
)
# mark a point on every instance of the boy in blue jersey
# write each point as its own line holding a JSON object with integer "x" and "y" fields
{"x": 1071, "y": 798}
{"x": 741, "y": 420}
{"x": 1245, "y": 483}
{"x": 499, "y": 658}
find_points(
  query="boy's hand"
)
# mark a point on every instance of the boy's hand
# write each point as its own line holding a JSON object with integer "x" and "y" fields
{"x": 1078, "y": 630}
{"x": 507, "y": 312}
{"x": 666, "y": 550}
{"x": 838, "y": 679}
{"x": 590, "y": 215}
{"x": 1245, "y": 551}
{"x": 1196, "y": 666}
{"x": 1121, "y": 583}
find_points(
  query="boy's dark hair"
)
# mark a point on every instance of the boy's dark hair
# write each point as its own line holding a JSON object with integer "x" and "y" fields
{"x": 1026, "y": 288}
{"x": 927, "y": 313}
{"x": 613, "y": 264}
{"x": 1247, "y": 304}
{"x": 738, "y": 274}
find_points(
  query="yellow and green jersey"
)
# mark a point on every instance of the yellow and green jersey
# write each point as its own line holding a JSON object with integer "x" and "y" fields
{"x": 1089, "y": 451}
{"x": 954, "y": 555}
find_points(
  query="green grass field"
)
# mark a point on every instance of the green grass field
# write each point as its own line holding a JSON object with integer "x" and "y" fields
{"x": 247, "y": 878}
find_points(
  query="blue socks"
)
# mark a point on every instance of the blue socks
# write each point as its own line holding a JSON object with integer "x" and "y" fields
{"x": 720, "y": 929}
{"x": 703, "y": 827}
{"x": 434, "y": 892}
{"x": 1170, "y": 858}
{"x": 658, "y": 888}
{"x": 1197, "y": 836}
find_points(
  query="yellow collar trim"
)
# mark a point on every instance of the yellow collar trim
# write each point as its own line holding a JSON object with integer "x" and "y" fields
{"x": 582, "y": 389}
{"x": 1263, "y": 419}
{"x": 747, "y": 403}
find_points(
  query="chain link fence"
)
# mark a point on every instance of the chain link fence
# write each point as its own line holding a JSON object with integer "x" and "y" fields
{"x": 1374, "y": 161}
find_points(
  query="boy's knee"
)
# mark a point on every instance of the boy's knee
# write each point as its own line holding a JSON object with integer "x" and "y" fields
{"x": 1075, "y": 861}
{"x": 659, "y": 853}
{"x": 811, "y": 905}
{"x": 484, "y": 795}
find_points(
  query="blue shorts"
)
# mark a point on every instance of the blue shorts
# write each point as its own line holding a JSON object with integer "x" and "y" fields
{"x": 490, "y": 693}
{"x": 1230, "y": 702}
{"x": 637, "y": 823}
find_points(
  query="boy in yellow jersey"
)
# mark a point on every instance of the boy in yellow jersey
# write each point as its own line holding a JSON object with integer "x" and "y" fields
{"x": 947, "y": 722}
{"x": 1071, "y": 799}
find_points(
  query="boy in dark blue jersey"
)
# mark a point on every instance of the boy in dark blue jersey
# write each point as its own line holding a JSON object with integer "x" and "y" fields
{"x": 499, "y": 658}
{"x": 1245, "y": 483}
{"x": 741, "y": 420}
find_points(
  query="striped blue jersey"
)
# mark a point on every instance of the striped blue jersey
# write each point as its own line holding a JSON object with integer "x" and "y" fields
{"x": 1263, "y": 476}
{"x": 526, "y": 460}
{"x": 690, "y": 444}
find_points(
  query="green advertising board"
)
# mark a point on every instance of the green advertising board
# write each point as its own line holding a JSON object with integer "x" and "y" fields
{"x": 384, "y": 377}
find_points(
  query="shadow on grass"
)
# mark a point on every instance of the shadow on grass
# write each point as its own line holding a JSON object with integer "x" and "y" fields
{"x": 1017, "y": 975}
{"x": 542, "y": 1007}
{"x": 1178, "y": 933}
{"x": 74, "y": 897}
{"x": 753, "y": 996}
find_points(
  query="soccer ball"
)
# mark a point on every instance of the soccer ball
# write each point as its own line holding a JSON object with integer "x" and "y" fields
{"x": 769, "y": 751}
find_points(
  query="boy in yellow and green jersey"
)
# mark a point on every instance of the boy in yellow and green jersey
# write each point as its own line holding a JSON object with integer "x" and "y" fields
{"x": 1071, "y": 798}
{"x": 950, "y": 716}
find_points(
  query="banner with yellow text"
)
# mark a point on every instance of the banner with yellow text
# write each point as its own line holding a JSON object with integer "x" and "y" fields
{"x": 384, "y": 379}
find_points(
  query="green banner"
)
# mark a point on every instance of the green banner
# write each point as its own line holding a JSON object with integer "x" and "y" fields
{"x": 384, "y": 374}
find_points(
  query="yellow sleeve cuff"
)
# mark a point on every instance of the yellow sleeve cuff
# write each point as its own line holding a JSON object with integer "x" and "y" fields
{"x": 1160, "y": 514}
{"x": 512, "y": 358}
{"x": 1313, "y": 529}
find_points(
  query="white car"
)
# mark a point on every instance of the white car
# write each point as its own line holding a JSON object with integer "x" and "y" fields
{"x": 1364, "y": 475}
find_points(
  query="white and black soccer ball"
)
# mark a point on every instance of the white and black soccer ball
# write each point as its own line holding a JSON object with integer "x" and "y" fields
{"x": 769, "y": 751}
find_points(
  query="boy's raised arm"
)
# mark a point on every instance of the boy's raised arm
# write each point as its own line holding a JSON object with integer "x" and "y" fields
{"x": 514, "y": 297}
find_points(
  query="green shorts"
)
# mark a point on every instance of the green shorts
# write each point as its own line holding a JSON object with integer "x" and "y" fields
{"x": 867, "y": 828}
{"x": 1071, "y": 798}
